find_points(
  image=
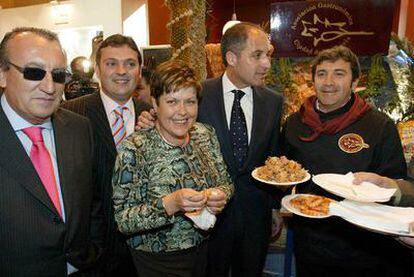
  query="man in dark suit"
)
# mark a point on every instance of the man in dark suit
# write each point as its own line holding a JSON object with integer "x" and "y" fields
{"x": 118, "y": 64}
{"x": 241, "y": 236}
{"x": 50, "y": 217}
{"x": 248, "y": 131}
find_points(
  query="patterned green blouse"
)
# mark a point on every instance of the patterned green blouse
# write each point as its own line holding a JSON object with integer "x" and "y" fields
{"x": 147, "y": 169}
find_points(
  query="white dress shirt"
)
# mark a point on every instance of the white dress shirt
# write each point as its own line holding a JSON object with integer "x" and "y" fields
{"x": 128, "y": 115}
{"x": 246, "y": 103}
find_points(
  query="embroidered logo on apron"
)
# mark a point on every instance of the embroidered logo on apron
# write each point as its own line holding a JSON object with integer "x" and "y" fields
{"x": 352, "y": 143}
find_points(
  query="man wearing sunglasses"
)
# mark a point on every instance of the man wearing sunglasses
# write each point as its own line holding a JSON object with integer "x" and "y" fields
{"x": 113, "y": 113}
{"x": 50, "y": 219}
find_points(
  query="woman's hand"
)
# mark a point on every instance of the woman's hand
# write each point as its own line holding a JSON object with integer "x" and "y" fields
{"x": 184, "y": 200}
{"x": 216, "y": 200}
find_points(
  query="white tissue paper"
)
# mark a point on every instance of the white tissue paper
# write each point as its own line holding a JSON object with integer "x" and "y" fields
{"x": 202, "y": 219}
{"x": 375, "y": 216}
{"x": 342, "y": 185}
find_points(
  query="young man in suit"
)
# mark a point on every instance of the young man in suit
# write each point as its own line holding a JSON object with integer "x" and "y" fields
{"x": 112, "y": 112}
{"x": 50, "y": 217}
{"x": 246, "y": 117}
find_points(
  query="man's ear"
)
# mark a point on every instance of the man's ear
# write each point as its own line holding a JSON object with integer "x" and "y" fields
{"x": 3, "y": 81}
{"x": 97, "y": 71}
{"x": 354, "y": 85}
{"x": 231, "y": 58}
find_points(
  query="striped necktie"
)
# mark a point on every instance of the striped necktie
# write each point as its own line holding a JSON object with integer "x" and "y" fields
{"x": 42, "y": 162}
{"x": 118, "y": 126}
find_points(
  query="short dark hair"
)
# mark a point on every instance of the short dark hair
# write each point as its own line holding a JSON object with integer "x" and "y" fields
{"x": 117, "y": 40}
{"x": 44, "y": 33}
{"x": 146, "y": 74}
{"x": 234, "y": 39}
{"x": 335, "y": 53}
{"x": 171, "y": 76}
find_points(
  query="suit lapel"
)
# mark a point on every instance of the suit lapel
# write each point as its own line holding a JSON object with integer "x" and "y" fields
{"x": 97, "y": 115}
{"x": 64, "y": 158}
{"x": 14, "y": 159}
{"x": 221, "y": 124}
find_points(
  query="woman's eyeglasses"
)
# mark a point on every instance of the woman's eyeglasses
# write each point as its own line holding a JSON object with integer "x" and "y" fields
{"x": 59, "y": 76}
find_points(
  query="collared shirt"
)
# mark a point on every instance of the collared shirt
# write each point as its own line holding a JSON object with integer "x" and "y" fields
{"x": 128, "y": 115}
{"x": 246, "y": 102}
{"x": 18, "y": 124}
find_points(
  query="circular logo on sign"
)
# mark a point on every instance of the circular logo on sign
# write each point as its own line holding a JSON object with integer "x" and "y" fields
{"x": 323, "y": 25}
{"x": 352, "y": 143}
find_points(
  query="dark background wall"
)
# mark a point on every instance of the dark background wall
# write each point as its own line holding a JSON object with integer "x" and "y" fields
{"x": 220, "y": 11}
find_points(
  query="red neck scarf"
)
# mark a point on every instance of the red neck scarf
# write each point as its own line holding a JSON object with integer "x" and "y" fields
{"x": 311, "y": 118}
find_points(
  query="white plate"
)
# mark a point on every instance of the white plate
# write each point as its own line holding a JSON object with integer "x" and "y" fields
{"x": 254, "y": 175}
{"x": 334, "y": 184}
{"x": 286, "y": 204}
{"x": 375, "y": 217}
{"x": 378, "y": 230}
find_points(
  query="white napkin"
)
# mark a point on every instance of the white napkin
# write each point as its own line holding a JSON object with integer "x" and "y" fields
{"x": 375, "y": 216}
{"x": 202, "y": 219}
{"x": 365, "y": 191}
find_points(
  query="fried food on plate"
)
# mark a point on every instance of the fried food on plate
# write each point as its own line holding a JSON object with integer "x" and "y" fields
{"x": 281, "y": 170}
{"x": 313, "y": 205}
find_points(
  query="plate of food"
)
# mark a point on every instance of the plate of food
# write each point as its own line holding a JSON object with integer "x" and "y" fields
{"x": 281, "y": 172}
{"x": 307, "y": 205}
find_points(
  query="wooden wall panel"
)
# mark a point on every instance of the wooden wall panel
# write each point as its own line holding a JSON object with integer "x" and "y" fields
{"x": 396, "y": 19}
{"x": 254, "y": 11}
{"x": 158, "y": 17}
{"x": 220, "y": 12}
{"x": 409, "y": 31}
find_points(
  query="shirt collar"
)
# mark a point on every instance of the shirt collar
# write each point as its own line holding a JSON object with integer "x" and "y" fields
{"x": 17, "y": 122}
{"x": 228, "y": 87}
{"x": 111, "y": 105}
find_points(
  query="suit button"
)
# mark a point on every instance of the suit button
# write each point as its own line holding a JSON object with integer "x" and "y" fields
{"x": 56, "y": 220}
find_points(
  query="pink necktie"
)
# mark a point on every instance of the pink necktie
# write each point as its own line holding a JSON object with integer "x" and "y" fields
{"x": 42, "y": 162}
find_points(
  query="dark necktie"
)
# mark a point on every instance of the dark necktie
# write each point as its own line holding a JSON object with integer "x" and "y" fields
{"x": 238, "y": 130}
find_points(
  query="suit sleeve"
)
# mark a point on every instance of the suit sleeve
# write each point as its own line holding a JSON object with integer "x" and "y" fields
{"x": 275, "y": 140}
{"x": 97, "y": 229}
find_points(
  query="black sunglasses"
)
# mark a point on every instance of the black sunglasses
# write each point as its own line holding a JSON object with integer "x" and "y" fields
{"x": 59, "y": 76}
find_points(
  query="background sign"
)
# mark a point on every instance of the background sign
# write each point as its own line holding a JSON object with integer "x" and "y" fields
{"x": 303, "y": 28}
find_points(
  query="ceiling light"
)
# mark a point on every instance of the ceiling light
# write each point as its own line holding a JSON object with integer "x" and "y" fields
{"x": 233, "y": 20}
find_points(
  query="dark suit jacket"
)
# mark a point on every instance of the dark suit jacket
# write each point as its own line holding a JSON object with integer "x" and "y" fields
{"x": 91, "y": 106}
{"x": 34, "y": 240}
{"x": 251, "y": 198}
